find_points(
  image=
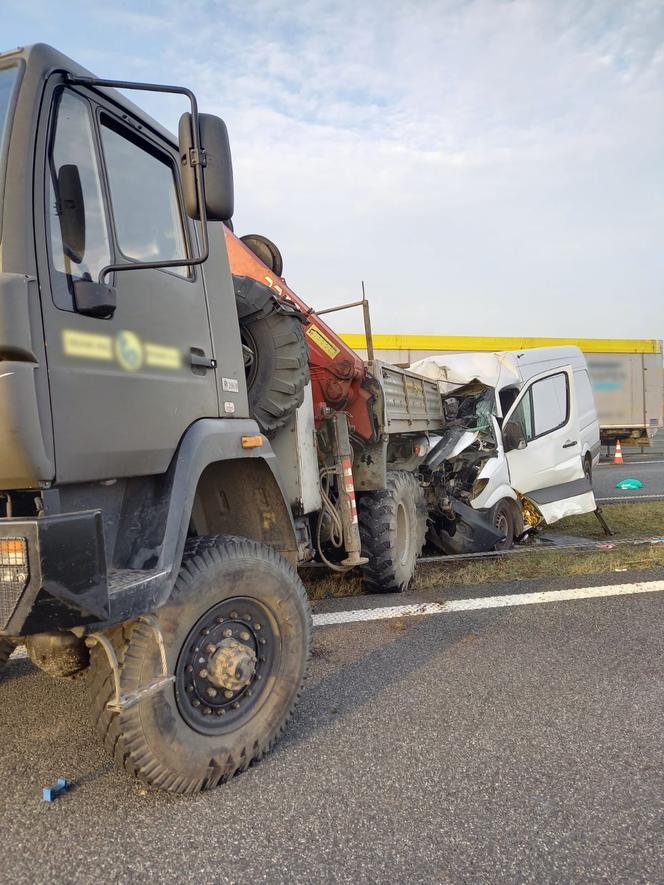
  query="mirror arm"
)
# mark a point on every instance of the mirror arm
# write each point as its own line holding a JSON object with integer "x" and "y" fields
{"x": 198, "y": 161}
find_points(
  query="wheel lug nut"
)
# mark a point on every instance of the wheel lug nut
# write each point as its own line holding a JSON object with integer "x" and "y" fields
{"x": 190, "y": 669}
{"x": 233, "y": 616}
{"x": 190, "y": 688}
{"x": 262, "y": 659}
{"x": 205, "y": 631}
{"x": 247, "y": 617}
{"x": 203, "y": 673}
{"x": 195, "y": 703}
{"x": 210, "y": 648}
{"x": 221, "y": 712}
{"x": 236, "y": 705}
{"x": 244, "y": 636}
{"x": 257, "y": 626}
{"x": 263, "y": 641}
{"x": 207, "y": 711}
{"x": 228, "y": 633}
{"x": 219, "y": 620}
{"x": 228, "y": 693}
{"x": 212, "y": 692}
{"x": 249, "y": 692}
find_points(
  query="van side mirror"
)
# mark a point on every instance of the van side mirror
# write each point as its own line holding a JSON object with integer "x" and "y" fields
{"x": 71, "y": 212}
{"x": 217, "y": 172}
{"x": 513, "y": 436}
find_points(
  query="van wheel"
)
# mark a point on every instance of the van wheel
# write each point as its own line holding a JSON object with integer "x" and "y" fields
{"x": 275, "y": 351}
{"x": 236, "y": 631}
{"x": 392, "y": 529}
{"x": 502, "y": 518}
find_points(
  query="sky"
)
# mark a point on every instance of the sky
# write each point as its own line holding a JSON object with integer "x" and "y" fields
{"x": 487, "y": 167}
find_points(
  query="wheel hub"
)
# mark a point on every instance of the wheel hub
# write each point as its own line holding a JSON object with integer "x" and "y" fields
{"x": 223, "y": 667}
{"x": 232, "y": 665}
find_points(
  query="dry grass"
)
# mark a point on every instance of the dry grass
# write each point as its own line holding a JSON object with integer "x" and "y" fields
{"x": 629, "y": 521}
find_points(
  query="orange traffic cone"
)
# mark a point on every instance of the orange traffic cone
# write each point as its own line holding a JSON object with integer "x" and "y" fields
{"x": 617, "y": 455}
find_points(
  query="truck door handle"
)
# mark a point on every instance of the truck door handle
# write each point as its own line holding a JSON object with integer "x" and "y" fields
{"x": 569, "y": 443}
{"x": 198, "y": 360}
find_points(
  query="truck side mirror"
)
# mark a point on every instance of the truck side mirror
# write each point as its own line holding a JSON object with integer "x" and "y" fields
{"x": 71, "y": 211}
{"x": 513, "y": 436}
{"x": 217, "y": 171}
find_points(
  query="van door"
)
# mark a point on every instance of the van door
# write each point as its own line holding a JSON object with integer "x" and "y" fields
{"x": 543, "y": 447}
{"x": 124, "y": 389}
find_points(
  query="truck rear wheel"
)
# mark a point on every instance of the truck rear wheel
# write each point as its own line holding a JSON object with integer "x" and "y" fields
{"x": 392, "y": 528}
{"x": 276, "y": 354}
{"x": 237, "y": 631}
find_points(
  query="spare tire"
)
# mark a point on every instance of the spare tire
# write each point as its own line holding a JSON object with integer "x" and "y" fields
{"x": 266, "y": 250}
{"x": 276, "y": 354}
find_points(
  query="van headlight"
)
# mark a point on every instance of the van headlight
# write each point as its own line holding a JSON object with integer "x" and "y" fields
{"x": 478, "y": 487}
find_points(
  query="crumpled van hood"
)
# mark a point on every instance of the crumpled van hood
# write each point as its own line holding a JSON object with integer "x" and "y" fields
{"x": 451, "y": 370}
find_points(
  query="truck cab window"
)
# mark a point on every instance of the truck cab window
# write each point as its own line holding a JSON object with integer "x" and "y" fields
{"x": 79, "y": 242}
{"x": 145, "y": 201}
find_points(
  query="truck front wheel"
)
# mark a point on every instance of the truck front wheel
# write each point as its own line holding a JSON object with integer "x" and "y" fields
{"x": 237, "y": 632}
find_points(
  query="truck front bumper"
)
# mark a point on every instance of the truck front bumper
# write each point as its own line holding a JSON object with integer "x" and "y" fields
{"x": 52, "y": 572}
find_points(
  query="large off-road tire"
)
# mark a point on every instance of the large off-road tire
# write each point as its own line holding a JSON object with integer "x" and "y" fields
{"x": 392, "y": 528}
{"x": 277, "y": 364}
{"x": 238, "y": 617}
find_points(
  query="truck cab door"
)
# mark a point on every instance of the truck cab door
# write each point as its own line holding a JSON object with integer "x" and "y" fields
{"x": 125, "y": 386}
{"x": 543, "y": 447}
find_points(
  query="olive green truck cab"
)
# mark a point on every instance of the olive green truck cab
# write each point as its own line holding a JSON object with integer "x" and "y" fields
{"x": 144, "y": 529}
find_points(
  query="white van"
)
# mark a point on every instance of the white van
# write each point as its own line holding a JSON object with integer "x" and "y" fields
{"x": 521, "y": 441}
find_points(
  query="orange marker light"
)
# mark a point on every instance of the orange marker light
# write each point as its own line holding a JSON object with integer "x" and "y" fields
{"x": 252, "y": 442}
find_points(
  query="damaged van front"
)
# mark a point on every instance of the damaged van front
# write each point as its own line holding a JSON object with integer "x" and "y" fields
{"x": 515, "y": 452}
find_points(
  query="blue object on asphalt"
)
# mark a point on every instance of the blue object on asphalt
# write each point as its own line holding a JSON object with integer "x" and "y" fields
{"x": 61, "y": 787}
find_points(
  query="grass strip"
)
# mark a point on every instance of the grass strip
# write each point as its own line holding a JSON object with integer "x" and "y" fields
{"x": 628, "y": 521}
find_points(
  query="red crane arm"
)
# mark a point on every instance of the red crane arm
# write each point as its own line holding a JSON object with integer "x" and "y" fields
{"x": 339, "y": 378}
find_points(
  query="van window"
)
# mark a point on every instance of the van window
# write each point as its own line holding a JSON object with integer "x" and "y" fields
{"x": 145, "y": 201}
{"x": 550, "y": 398}
{"x": 584, "y": 392}
{"x": 545, "y": 406}
{"x": 72, "y": 157}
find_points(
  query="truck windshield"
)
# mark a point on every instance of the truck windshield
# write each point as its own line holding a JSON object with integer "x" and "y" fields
{"x": 7, "y": 80}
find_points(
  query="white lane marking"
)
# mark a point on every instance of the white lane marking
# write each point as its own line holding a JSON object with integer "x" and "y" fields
{"x": 461, "y": 605}
{"x": 629, "y": 497}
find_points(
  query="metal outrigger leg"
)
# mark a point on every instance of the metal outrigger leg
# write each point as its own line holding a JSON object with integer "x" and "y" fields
{"x": 608, "y": 531}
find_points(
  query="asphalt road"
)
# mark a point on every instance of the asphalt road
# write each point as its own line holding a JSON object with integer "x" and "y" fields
{"x": 506, "y": 745}
{"x": 650, "y": 472}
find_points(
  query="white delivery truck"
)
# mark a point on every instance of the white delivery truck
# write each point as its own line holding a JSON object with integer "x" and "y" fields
{"x": 521, "y": 439}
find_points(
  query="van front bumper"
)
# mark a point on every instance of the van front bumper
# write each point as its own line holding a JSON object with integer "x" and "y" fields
{"x": 52, "y": 572}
